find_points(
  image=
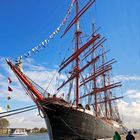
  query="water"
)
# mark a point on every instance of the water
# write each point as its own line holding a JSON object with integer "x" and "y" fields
{"x": 29, "y": 137}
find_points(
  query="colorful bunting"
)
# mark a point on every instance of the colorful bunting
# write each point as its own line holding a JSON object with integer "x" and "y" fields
{"x": 25, "y": 55}
{"x": 9, "y": 80}
{"x": 33, "y": 50}
{"x": 43, "y": 44}
{"x": 8, "y": 107}
{"x": 28, "y": 54}
{"x": 8, "y": 97}
{"x": 10, "y": 89}
{"x": 40, "y": 46}
{"x": 51, "y": 36}
{"x": 36, "y": 48}
{"x": 46, "y": 41}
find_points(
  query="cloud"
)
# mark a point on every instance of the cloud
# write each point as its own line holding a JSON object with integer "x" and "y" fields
{"x": 47, "y": 79}
{"x": 32, "y": 67}
{"x": 1, "y": 76}
{"x": 44, "y": 77}
{"x": 126, "y": 78}
{"x": 133, "y": 94}
{"x": 40, "y": 75}
{"x": 17, "y": 94}
{"x": 129, "y": 108}
{"x": 1, "y": 109}
{"x": 27, "y": 120}
{"x": 130, "y": 113}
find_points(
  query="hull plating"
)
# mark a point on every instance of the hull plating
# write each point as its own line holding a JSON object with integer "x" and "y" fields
{"x": 68, "y": 123}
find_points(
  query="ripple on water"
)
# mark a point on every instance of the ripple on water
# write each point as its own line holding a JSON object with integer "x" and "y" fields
{"x": 29, "y": 137}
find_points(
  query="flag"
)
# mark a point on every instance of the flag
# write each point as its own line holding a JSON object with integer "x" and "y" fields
{"x": 20, "y": 57}
{"x": 40, "y": 46}
{"x": 8, "y": 97}
{"x": 10, "y": 89}
{"x": 29, "y": 53}
{"x": 46, "y": 41}
{"x": 36, "y": 48}
{"x": 43, "y": 44}
{"x": 33, "y": 49}
{"x": 25, "y": 55}
{"x": 9, "y": 80}
{"x": 51, "y": 36}
{"x": 8, "y": 107}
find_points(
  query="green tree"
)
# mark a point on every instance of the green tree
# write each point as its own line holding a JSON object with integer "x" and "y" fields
{"x": 43, "y": 130}
{"x": 36, "y": 129}
{"x": 4, "y": 123}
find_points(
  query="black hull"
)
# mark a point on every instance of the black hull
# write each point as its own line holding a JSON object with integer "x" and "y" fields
{"x": 67, "y": 123}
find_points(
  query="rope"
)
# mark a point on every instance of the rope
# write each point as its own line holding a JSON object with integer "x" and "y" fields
{"x": 17, "y": 109}
{"x": 17, "y": 112}
{"x": 51, "y": 81}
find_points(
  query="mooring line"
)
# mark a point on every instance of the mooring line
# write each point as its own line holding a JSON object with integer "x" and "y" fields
{"x": 18, "y": 112}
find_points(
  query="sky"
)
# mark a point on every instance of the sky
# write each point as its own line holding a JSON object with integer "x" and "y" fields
{"x": 26, "y": 23}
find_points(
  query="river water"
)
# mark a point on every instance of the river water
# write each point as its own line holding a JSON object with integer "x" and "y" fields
{"x": 29, "y": 137}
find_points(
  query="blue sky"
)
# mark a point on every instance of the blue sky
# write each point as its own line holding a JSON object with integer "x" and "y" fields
{"x": 25, "y": 23}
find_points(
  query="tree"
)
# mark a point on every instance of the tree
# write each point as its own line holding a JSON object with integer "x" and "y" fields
{"x": 36, "y": 129}
{"x": 4, "y": 123}
{"x": 43, "y": 130}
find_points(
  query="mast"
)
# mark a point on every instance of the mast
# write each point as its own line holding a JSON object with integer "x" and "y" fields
{"x": 94, "y": 80}
{"x": 77, "y": 46}
{"x": 110, "y": 95}
{"x": 104, "y": 81}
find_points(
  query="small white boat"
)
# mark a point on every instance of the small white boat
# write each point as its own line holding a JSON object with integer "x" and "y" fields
{"x": 17, "y": 132}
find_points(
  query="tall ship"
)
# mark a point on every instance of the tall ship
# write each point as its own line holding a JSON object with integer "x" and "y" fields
{"x": 89, "y": 110}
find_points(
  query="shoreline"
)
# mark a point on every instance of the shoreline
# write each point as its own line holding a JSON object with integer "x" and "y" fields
{"x": 6, "y": 135}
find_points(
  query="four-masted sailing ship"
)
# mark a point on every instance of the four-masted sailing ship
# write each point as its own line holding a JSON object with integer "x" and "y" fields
{"x": 90, "y": 110}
